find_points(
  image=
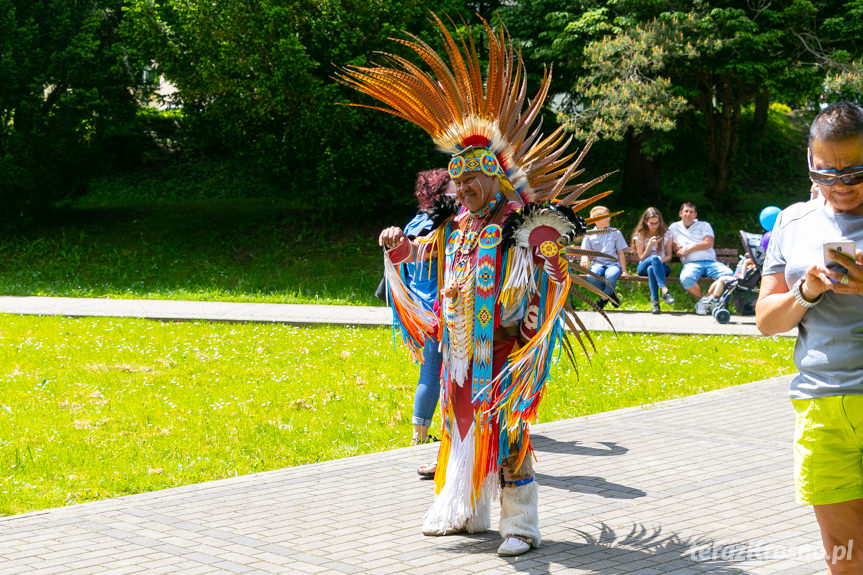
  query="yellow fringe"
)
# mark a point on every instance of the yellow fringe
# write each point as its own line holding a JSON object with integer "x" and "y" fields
{"x": 443, "y": 457}
{"x": 481, "y": 436}
{"x": 441, "y": 252}
{"x": 506, "y": 296}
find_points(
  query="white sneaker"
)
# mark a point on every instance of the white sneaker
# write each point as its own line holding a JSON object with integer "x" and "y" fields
{"x": 701, "y": 305}
{"x": 513, "y": 546}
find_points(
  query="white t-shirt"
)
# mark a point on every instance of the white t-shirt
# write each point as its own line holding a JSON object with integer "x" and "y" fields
{"x": 657, "y": 249}
{"x": 690, "y": 236}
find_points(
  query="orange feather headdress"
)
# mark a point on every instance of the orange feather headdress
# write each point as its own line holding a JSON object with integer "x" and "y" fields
{"x": 459, "y": 109}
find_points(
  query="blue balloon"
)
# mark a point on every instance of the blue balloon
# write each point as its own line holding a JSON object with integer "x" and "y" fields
{"x": 767, "y": 217}
{"x": 765, "y": 239}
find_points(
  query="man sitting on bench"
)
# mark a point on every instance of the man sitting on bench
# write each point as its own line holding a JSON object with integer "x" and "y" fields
{"x": 693, "y": 244}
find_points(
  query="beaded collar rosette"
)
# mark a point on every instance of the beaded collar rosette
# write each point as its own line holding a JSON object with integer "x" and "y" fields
{"x": 492, "y": 268}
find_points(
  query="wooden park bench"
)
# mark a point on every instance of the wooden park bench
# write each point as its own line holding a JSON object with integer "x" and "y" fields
{"x": 728, "y": 256}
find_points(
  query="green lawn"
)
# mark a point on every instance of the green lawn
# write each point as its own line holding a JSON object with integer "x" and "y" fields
{"x": 97, "y": 408}
{"x": 229, "y": 250}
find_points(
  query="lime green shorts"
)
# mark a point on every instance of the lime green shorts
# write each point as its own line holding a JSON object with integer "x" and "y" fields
{"x": 828, "y": 449}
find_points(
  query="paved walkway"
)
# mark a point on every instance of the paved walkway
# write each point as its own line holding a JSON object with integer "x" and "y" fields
{"x": 683, "y": 487}
{"x": 691, "y": 486}
{"x": 677, "y": 322}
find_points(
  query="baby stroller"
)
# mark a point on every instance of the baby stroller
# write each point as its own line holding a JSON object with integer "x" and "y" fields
{"x": 743, "y": 286}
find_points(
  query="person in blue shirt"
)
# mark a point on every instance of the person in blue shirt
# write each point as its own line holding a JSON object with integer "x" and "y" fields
{"x": 434, "y": 191}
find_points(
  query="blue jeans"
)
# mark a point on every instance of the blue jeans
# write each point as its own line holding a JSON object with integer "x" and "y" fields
{"x": 693, "y": 271}
{"x": 428, "y": 386}
{"x": 610, "y": 271}
{"x": 656, "y": 272}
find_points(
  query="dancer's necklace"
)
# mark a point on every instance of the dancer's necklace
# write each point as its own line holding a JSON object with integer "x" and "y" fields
{"x": 474, "y": 224}
{"x": 470, "y": 237}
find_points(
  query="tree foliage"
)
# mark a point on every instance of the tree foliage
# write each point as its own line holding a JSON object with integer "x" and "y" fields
{"x": 636, "y": 69}
{"x": 255, "y": 81}
{"x": 65, "y": 103}
{"x": 838, "y": 46}
{"x": 254, "y": 84}
{"x": 627, "y": 89}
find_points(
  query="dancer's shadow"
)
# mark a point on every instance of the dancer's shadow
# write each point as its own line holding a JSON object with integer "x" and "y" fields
{"x": 608, "y": 553}
{"x": 590, "y": 484}
{"x": 543, "y": 443}
{"x": 584, "y": 483}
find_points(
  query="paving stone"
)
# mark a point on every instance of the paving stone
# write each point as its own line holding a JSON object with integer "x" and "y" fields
{"x": 634, "y": 491}
{"x": 231, "y": 567}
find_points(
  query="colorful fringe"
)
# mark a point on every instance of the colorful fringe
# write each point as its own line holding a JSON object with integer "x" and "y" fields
{"x": 415, "y": 323}
{"x": 522, "y": 380}
{"x": 518, "y": 276}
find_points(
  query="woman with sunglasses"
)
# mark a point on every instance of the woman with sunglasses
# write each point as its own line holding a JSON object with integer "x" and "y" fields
{"x": 652, "y": 243}
{"x": 806, "y": 285}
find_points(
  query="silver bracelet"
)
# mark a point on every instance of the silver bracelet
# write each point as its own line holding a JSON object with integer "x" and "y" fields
{"x": 795, "y": 291}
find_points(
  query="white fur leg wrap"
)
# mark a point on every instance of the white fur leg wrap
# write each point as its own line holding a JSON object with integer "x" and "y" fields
{"x": 452, "y": 510}
{"x": 518, "y": 513}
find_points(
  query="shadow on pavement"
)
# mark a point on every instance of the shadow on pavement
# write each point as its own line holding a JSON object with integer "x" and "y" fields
{"x": 590, "y": 484}
{"x": 584, "y": 483}
{"x": 543, "y": 443}
{"x": 609, "y": 553}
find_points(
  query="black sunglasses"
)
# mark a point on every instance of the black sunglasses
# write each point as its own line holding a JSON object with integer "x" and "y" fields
{"x": 849, "y": 176}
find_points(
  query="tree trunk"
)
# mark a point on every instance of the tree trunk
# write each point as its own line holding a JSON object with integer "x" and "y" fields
{"x": 759, "y": 119}
{"x": 640, "y": 173}
{"x": 722, "y": 120}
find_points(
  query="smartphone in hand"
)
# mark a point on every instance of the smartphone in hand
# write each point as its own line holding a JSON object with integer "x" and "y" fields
{"x": 845, "y": 248}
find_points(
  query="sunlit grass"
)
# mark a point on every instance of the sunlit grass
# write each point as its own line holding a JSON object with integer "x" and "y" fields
{"x": 634, "y": 369}
{"x": 98, "y": 408}
{"x": 244, "y": 250}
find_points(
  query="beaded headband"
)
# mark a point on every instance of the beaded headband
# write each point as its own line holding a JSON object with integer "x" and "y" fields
{"x": 473, "y": 159}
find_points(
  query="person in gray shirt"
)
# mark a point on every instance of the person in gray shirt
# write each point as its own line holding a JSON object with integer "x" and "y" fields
{"x": 605, "y": 270}
{"x": 803, "y": 287}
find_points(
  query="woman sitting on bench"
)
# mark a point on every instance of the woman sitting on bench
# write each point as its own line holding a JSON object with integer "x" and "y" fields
{"x": 651, "y": 241}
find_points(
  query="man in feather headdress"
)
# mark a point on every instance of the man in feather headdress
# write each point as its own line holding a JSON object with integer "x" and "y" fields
{"x": 505, "y": 273}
